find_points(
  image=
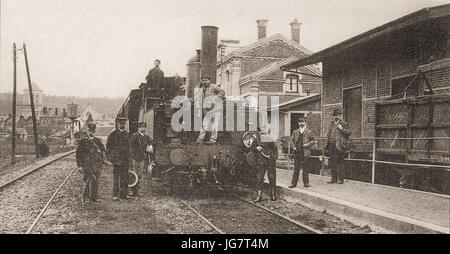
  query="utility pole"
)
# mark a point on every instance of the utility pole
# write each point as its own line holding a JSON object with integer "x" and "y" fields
{"x": 33, "y": 113}
{"x": 13, "y": 137}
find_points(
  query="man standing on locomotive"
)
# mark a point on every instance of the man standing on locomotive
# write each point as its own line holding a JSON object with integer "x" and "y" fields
{"x": 155, "y": 80}
{"x": 118, "y": 150}
{"x": 302, "y": 140}
{"x": 266, "y": 158}
{"x": 337, "y": 139}
{"x": 208, "y": 90}
{"x": 141, "y": 146}
{"x": 90, "y": 156}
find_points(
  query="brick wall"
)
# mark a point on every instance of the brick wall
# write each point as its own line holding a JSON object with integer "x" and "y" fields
{"x": 332, "y": 86}
{"x": 375, "y": 65}
{"x": 368, "y": 129}
{"x": 245, "y": 88}
{"x": 250, "y": 65}
{"x": 439, "y": 78}
{"x": 313, "y": 121}
{"x": 311, "y": 88}
{"x": 270, "y": 87}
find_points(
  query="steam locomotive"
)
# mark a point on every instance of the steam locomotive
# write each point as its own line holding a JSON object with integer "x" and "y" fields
{"x": 178, "y": 158}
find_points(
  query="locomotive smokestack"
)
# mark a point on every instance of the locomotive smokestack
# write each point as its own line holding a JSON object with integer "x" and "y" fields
{"x": 208, "y": 56}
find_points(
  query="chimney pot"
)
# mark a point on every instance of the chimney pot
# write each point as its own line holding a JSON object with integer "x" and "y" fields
{"x": 262, "y": 27}
{"x": 295, "y": 30}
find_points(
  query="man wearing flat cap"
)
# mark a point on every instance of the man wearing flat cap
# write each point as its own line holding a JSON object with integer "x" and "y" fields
{"x": 90, "y": 156}
{"x": 301, "y": 142}
{"x": 209, "y": 90}
{"x": 141, "y": 147}
{"x": 337, "y": 137}
{"x": 119, "y": 154}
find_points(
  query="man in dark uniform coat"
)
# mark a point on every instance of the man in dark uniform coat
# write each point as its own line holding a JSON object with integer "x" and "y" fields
{"x": 337, "y": 138}
{"x": 266, "y": 157}
{"x": 302, "y": 140}
{"x": 90, "y": 156}
{"x": 141, "y": 146}
{"x": 155, "y": 80}
{"x": 119, "y": 154}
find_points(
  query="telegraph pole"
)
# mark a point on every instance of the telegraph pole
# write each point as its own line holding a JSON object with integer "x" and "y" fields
{"x": 33, "y": 113}
{"x": 13, "y": 137}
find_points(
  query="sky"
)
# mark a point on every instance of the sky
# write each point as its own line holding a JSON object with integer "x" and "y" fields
{"x": 104, "y": 48}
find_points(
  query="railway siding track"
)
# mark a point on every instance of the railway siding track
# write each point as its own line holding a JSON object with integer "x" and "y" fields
{"x": 23, "y": 196}
{"x": 9, "y": 179}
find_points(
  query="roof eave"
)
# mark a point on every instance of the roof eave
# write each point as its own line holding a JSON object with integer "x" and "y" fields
{"x": 405, "y": 21}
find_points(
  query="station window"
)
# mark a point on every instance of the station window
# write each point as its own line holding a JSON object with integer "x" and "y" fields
{"x": 407, "y": 85}
{"x": 292, "y": 83}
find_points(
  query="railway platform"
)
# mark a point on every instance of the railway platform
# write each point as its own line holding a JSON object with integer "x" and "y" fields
{"x": 384, "y": 208}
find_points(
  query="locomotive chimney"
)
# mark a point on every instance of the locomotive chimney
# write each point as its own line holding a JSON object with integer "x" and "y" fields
{"x": 295, "y": 30}
{"x": 262, "y": 27}
{"x": 208, "y": 53}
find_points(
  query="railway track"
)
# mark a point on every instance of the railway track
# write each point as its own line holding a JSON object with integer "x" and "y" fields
{"x": 35, "y": 169}
{"x": 41, "y": 213}
{"x": 260, "y": 219}
{"x": 22, "y": 196}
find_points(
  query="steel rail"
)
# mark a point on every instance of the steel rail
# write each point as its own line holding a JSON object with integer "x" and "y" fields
{"x": 278, "y": 214}
{"x": 36, "y": 220}
{"x": 297, "y": 223}
{"x": 34, "y": 170}
{"x": 202, "y": 217}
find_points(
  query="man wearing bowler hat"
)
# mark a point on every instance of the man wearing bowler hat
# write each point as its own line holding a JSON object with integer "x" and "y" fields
{"x": 141, "y": 147}
{"x": 118, "y": 148}
{"x": 90, "y": 156}
{"x": 337, "y": 137}
{"x": 301, "y": 142}
{"x": 208, "y": 90}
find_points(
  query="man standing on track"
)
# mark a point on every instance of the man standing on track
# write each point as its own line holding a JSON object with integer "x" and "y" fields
{"x": 141, "y": 146}
{"x": 90, "y": 156}
{"x": 119, "y": 154}
{"x": 302, "y": 140}
{"x": 266, "y": 158}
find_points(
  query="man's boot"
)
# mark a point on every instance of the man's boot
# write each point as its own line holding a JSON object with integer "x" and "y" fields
{"x": 273, "y": 195}
{"x": 258, "y": 197}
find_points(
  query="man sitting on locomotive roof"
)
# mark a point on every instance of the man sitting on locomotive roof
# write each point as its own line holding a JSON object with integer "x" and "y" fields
{"x": 90, "y": 156}
{"x": 207, "y": 90}
{"x": 155, "y": 80}
{"x": 141, "y": 146}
